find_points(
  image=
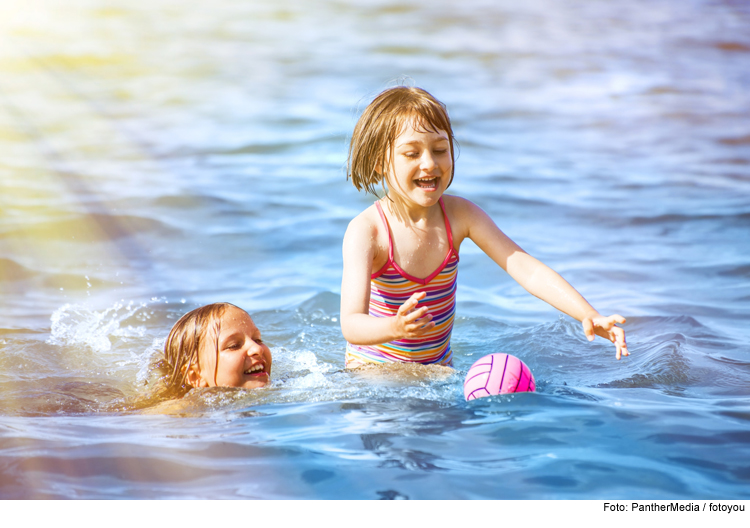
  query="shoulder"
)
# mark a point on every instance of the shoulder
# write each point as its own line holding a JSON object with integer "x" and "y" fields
{"x": 366, "y": 241}
{"x": 365, "y": 231}
{"x": 462, "y": 214}
{"x": 458, "y": 205}
{"x": 366, "y": 222}
{"x": 178, "y": 406}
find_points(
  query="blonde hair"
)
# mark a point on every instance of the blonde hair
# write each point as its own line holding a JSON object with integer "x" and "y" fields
{"x": 183, "y": 345}
{"x": 377, "y": 127}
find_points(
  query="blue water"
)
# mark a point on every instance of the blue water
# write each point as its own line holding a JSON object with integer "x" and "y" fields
{"x": 156, "y": 156}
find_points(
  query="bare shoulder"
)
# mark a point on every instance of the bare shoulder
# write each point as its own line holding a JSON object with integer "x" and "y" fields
{"x": 365, "y": 224}
{"x": 178, "y": 406}
{"x": 367, "y": 237}
{"x": 462, "y": 214}
{"x": 458, "y": 205}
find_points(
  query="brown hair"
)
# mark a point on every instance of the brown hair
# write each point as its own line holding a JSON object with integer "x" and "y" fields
{"x": 183, "y": 345}
{"x": 378, "y": 125}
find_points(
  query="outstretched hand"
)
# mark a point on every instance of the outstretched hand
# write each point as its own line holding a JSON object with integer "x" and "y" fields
{"x": 411, "y": 322}
{"x": 605, "y": 327}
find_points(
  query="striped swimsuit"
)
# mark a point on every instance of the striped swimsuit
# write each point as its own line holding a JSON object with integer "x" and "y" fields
{"x": 390, "y": 287}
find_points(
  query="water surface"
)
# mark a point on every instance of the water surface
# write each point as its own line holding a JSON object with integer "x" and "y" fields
{"x": 157, "y": 156}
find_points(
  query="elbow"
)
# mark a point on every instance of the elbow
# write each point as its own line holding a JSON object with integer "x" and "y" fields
{"x": 346, "y": 330}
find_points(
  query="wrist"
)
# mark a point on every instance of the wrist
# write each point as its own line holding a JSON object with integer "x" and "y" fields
{"x": 591, "y": 314}
{"x": 393, "y": 329}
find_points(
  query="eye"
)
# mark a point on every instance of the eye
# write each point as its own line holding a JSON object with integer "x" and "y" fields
{"x": 258, "y": 340}
{"x": 232, "y": 346}
{"x": 411, "y": 154}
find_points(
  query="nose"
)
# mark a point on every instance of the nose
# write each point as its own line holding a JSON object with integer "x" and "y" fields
{"x": 428, "y": 161}
{"x": 255, "y": 349}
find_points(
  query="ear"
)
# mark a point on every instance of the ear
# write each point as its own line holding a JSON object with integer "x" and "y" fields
{"x": 193, "y": 376}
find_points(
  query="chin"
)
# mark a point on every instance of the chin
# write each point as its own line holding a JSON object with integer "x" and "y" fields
{"x": 260, "y": 381}
{"x": 427, "y": 200}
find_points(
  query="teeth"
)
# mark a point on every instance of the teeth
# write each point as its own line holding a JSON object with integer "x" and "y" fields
{"x": 425, "y": 180}
{"x": 256, "y": 368}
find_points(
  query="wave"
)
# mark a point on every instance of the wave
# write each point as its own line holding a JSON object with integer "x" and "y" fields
{"x": 725, "y": 219}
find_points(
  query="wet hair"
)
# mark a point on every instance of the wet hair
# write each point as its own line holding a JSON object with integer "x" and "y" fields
{"x": 377, "y": 128}
{"x": 183, "y": 345}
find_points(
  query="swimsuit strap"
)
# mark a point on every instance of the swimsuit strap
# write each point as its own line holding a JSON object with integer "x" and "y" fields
{"x": 447, "y": 224}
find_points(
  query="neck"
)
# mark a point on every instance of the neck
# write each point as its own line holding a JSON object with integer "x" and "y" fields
{"x": 409, "y": 213}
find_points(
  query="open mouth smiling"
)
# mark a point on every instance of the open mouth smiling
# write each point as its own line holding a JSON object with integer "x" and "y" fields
{"x": 256, "y": 370}
{"x": 426, "y": 183}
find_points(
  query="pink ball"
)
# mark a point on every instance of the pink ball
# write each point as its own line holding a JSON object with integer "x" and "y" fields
{"x": 497, "y": 374}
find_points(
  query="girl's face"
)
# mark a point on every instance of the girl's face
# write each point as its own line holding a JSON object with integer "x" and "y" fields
{"x": 244, "y": 359}
{"x": 421, "y": 164}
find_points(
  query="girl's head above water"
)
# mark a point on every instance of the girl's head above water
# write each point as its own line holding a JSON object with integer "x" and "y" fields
{"x": 371, "y": 147}
{"x": 215, "y": 345}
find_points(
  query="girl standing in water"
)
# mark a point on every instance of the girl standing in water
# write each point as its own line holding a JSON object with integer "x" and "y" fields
{"x": 398, "y": 291}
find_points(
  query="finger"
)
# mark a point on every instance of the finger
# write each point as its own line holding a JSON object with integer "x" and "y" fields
{"x": 619, "y": 335}
{"x": 417, "y": 314}
{"x": 609, "y": 322}
{"x": 418, "y": 329}
{"x": 417, "y": 296}
{"x": 588, "y": 328}
{"x": 618, "y": 354}
{"x": 410, "y": 305}
{"x": 407, "y": 307}
{"x": 411, "y": 302}
{"x": 620, "y": 343}
{"x": 426, "y": 325}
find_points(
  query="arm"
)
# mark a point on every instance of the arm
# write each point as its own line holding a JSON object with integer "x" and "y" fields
{"x": 357, "y": 325}
{"x": 538, "y": 279}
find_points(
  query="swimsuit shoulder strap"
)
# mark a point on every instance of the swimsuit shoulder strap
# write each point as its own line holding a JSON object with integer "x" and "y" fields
{"x": 447, "y": 225}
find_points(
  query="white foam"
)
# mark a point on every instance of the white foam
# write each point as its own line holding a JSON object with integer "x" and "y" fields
{"x": 81, "y": 325}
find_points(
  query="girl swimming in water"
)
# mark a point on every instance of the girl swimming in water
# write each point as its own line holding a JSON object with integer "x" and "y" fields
{"x": 217, "y": 345}
{"x": 398, "y": 291}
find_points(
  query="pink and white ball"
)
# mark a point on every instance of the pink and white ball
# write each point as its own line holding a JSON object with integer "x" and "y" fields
{"x": 497, "y": 374}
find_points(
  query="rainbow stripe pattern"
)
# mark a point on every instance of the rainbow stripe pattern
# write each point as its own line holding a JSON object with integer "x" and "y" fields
{"x": 390, "y": 287}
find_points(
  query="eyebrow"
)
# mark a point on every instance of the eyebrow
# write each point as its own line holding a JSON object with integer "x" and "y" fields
{"x": 415, "y": 142}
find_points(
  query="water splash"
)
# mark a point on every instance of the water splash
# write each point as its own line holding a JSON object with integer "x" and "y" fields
{"x": 80, "y": 325}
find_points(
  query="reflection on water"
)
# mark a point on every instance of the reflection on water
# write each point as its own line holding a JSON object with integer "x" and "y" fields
{"x": 149, "y": 167}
